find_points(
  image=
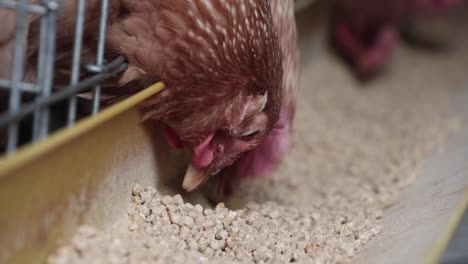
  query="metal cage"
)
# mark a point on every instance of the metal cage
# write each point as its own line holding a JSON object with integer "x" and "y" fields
{"x": 45, "y": 94}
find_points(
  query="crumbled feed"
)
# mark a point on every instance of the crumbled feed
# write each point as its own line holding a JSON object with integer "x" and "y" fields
{"x": 355, "y": 149}
{"x": 164, "y": 228}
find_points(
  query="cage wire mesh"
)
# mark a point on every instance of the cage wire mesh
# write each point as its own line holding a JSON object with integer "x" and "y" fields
{"x": 44, "y": 93}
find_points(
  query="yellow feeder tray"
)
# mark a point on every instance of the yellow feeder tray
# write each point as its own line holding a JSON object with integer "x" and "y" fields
{"x": 437, "y": 250}
{"x": 49, "y": 188}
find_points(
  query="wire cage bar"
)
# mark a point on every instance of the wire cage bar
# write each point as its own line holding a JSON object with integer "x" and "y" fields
{"x": 43, "y": 90}
{"x": 18, "y": 68}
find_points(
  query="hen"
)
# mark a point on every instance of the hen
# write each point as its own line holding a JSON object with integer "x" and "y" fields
{"x": 366, "y": 31}
{"x": 230, "y": 68}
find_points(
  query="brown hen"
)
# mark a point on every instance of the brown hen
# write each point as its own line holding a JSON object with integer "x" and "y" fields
{"x": 230, "y": 69}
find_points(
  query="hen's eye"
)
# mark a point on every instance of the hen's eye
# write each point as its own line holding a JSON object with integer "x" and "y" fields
{"x": 250, "y": 134}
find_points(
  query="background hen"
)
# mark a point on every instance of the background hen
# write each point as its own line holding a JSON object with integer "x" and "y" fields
{"x": 365, "y": 32}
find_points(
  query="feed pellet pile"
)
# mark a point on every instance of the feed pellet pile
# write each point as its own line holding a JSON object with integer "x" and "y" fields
{"x": 354, "y": 150}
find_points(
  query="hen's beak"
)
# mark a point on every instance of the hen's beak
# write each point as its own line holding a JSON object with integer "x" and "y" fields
{"x": 198, "y": 171}
{"x": 194, "y": 177}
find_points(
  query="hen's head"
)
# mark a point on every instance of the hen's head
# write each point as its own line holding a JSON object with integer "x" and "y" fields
{"x": 221, "y": 62}
{"x": 220, "y": 133}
